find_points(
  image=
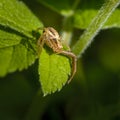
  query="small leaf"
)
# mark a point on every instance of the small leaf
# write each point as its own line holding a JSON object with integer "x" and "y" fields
{"x": 54, "y": 70}
{"x": 17, "y": 43}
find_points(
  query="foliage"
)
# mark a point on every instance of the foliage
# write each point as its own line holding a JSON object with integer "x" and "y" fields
{"x": 94, "y": 93}
{"x": 18, "y": 46}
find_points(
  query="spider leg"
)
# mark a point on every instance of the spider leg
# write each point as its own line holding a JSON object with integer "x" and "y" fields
{"x": 40, "y": 44}
{"x": 74, "y": 61}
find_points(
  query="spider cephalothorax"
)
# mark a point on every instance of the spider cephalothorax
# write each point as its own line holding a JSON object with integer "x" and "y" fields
{"x": 51, "y": 38}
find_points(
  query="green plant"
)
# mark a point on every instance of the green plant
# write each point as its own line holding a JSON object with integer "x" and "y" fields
{"x": 19, "y": 36}
{"x": 18, "y": 45}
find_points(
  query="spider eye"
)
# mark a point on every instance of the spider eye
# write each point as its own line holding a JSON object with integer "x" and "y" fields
{"x": 43, "y": 31}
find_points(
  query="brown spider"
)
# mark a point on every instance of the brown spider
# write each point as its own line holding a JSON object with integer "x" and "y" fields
{"x": 51, "y": 38}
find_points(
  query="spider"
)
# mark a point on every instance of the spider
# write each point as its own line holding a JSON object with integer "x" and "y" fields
{"x": 51, "y": 38}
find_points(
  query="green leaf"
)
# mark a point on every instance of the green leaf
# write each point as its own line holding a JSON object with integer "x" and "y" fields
{"x": 18, "y": 56}
{"x": 5, "y": 58}
{"x": 22, "y": 57}
{"x": 63, "y": 7}
{"x": 81, "y": 19}
{"x": 54, "y": 70}
{"x": 17, "y": 43}
{"x": 114, "y": 20}
{"x": 15, "y": 15}
{"x": 7, "y": 39}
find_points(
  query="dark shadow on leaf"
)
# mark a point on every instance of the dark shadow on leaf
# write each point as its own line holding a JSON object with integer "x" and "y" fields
{"x": 29, "y": 44}
{"x": 48, "y": 50}
{"x": 36, "y": 34}
{"x": 12, "y": 31}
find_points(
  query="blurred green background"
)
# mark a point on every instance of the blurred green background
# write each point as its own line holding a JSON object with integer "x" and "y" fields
{"x": 94, "y": 94}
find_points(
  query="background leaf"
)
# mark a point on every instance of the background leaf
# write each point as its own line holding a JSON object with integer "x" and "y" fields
{"x": 81, "y": 19}
{"x": 54, "y": 71}
{"x": 17, "y": 43}
{"x": 63, "y": 7}
{"x": 82, "y": 11}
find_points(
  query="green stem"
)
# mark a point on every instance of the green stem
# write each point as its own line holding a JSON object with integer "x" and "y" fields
{"x": 95, "y": 26}
{"x": 67, "y": 30}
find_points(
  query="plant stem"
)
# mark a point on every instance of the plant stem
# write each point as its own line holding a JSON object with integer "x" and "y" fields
{"x": 67, "y": 30}
{"x": 95, "y": 26}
